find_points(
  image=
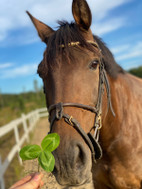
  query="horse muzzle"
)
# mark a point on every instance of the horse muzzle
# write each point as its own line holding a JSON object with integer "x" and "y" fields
{"x": 73, "y": 167}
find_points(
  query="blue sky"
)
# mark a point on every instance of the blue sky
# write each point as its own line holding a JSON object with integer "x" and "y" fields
{"x": 117, "y": 22}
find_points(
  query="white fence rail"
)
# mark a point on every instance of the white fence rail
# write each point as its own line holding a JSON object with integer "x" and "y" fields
{"x": 28, "y": 122}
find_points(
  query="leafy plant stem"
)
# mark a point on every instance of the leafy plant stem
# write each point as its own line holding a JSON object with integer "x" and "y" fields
{"x": 38, "y": 167}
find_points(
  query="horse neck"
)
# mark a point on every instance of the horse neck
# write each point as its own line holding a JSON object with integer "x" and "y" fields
{"x": 126, "y": 126}
{"x": 120, "y": 96}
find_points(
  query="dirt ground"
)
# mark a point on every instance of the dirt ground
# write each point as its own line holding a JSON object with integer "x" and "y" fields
{"x": 40, "y": 131}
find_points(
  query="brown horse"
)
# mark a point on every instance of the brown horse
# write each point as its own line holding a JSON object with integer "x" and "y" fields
{"x": 98, "y": 96}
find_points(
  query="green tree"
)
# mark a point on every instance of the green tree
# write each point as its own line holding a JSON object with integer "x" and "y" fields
{"x": 36, "y": 88}
{"x": 21, "y": 103}
{"x": 1, "y": 100}
{"x": 136, "y": 71}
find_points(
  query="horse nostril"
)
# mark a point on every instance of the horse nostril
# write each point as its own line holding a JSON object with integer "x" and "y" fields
{"x": 55, "y": 170}
{"x": 80, "y": 156}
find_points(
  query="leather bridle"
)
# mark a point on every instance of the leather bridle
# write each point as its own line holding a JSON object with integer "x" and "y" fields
{"x": 92, "y": 140}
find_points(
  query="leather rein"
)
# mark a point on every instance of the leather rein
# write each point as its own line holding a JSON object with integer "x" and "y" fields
{"x": 92, "y": 140}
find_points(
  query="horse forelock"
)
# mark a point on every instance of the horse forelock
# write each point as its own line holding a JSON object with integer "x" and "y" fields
{"x": 67, "y": 33}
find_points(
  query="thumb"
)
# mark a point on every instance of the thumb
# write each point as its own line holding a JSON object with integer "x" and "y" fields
{"x": 34, "y": 183}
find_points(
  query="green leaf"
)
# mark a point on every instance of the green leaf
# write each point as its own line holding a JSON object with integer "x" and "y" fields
{"x": 30, "y": 152}
{"x": 46, "y": 161}
{"x": 50, "y": 142}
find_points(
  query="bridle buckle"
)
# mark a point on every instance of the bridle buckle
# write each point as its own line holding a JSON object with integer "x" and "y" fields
{"x": 70, "y": 120}
{"x": 99, "y": 122}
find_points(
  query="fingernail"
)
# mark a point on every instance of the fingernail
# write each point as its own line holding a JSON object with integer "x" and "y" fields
{"x": 37, "y": 177}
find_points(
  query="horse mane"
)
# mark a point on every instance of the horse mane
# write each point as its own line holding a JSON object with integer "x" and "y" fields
{"x": 111, "y": 67}
{"x": 69, "y": 32}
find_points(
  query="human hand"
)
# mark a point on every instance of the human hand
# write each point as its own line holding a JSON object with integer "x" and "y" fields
{"x": 32, "y": 181}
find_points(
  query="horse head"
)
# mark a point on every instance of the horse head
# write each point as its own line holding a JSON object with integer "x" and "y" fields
{"x": 73, "y": 75}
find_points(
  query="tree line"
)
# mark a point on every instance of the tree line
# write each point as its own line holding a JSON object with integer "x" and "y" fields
{"x": 136, "y": 71}
{"x": 13, "y": 105}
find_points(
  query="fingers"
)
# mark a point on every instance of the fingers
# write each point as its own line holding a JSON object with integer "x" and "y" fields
{"x": 34, "y": 183}
{"x": 22, "y": 181}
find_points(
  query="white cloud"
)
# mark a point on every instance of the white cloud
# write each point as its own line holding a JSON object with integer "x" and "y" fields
{"x": 103, "y": 27}
{"x": 21, "y": 71}
{"x": 120, "y": 49}
{"x": 128, "y": 51}
{"x": 101, "y": 8}
{"x": 5, "y": 65}
{"x": 2, "y": 36}
{"x": 128, "y": 55}
{"x": 13, "y": 16}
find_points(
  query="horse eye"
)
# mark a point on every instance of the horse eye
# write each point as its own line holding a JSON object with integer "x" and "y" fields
{"x": 94, "y": 64}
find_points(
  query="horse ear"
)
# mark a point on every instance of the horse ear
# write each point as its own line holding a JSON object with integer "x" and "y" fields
{"x": 82, "y": 14}
{"x": 43, "y": 30}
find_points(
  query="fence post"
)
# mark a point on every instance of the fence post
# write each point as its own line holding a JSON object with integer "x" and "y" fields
{"x": 34, "y": 118}
{"x": 32, "y": 121}
{"x": 17, "y": 142}
{"x": 25, "y": 126}
{"x": 2, "y": 185}
{"x": 36, "y": 115}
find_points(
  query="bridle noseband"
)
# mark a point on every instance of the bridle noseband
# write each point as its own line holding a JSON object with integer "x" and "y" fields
{"x": 90, "y": 139}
